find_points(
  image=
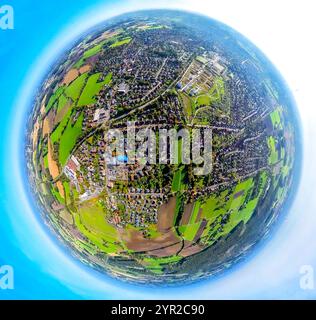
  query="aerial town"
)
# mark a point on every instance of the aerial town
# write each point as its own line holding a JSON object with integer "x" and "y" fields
{"x": 135, "y": 217}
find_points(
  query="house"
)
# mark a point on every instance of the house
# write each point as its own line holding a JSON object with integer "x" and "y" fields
{"x": 123, "y": 88}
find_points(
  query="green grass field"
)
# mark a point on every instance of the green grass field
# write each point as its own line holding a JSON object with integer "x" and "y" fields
{"x": 245, "y": 214}
{"x": 195, "y": 211}
{"x": 92, "y": 223}
{"x": 53, "y": 99}
{"x": 66, "y": 133}
{"x": 57, "y": 195}
{"x": 190, "y": 231}
{"x": 152, "y": 231}
{"x": 108, "y": 79}
{"x": 73, "y": 91}
{"x": 218, "y": 89}
{"x": 45, "y": 162}
{"x": 275, "y": 117}
{"x": 177, "y": 181}
{"x": 90, "y": 53}
{"x": 121, "y": 42}
{"x": 188, "y": 104}
{"x": 156, "y": 264}
{"x": 69, "y": 138}
{"x": 93, "y": 218}
{"x": 273, "y": 156}
{"x": 214, "y": 95}
{"x": 62, "y": 101}
{"x": 92, "y": 88}
{"x": 203, "y": 100}
{"x": 150, "y": 27}
{"x": 179, "y": 202}
{"x": 56, "y": 134}
{"x": 67, "y": 191}
{"x": 232, "y": 202}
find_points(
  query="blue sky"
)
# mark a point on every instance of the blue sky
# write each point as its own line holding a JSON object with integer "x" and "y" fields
{"x": 42, "y": 268}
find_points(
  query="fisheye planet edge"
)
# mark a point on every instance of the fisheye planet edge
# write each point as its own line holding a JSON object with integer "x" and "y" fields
{"x": 147, "y": 216}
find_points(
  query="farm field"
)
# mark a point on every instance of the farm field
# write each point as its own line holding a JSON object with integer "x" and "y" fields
{"x": 92, "y": 88}
{"x": 119, "y": 43}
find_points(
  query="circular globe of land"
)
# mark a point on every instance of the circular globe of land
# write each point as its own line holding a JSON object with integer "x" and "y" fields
{"x": 161, "y": 147}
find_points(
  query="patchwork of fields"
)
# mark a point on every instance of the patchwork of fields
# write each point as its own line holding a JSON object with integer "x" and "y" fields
{"x": 136, "y": 216}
